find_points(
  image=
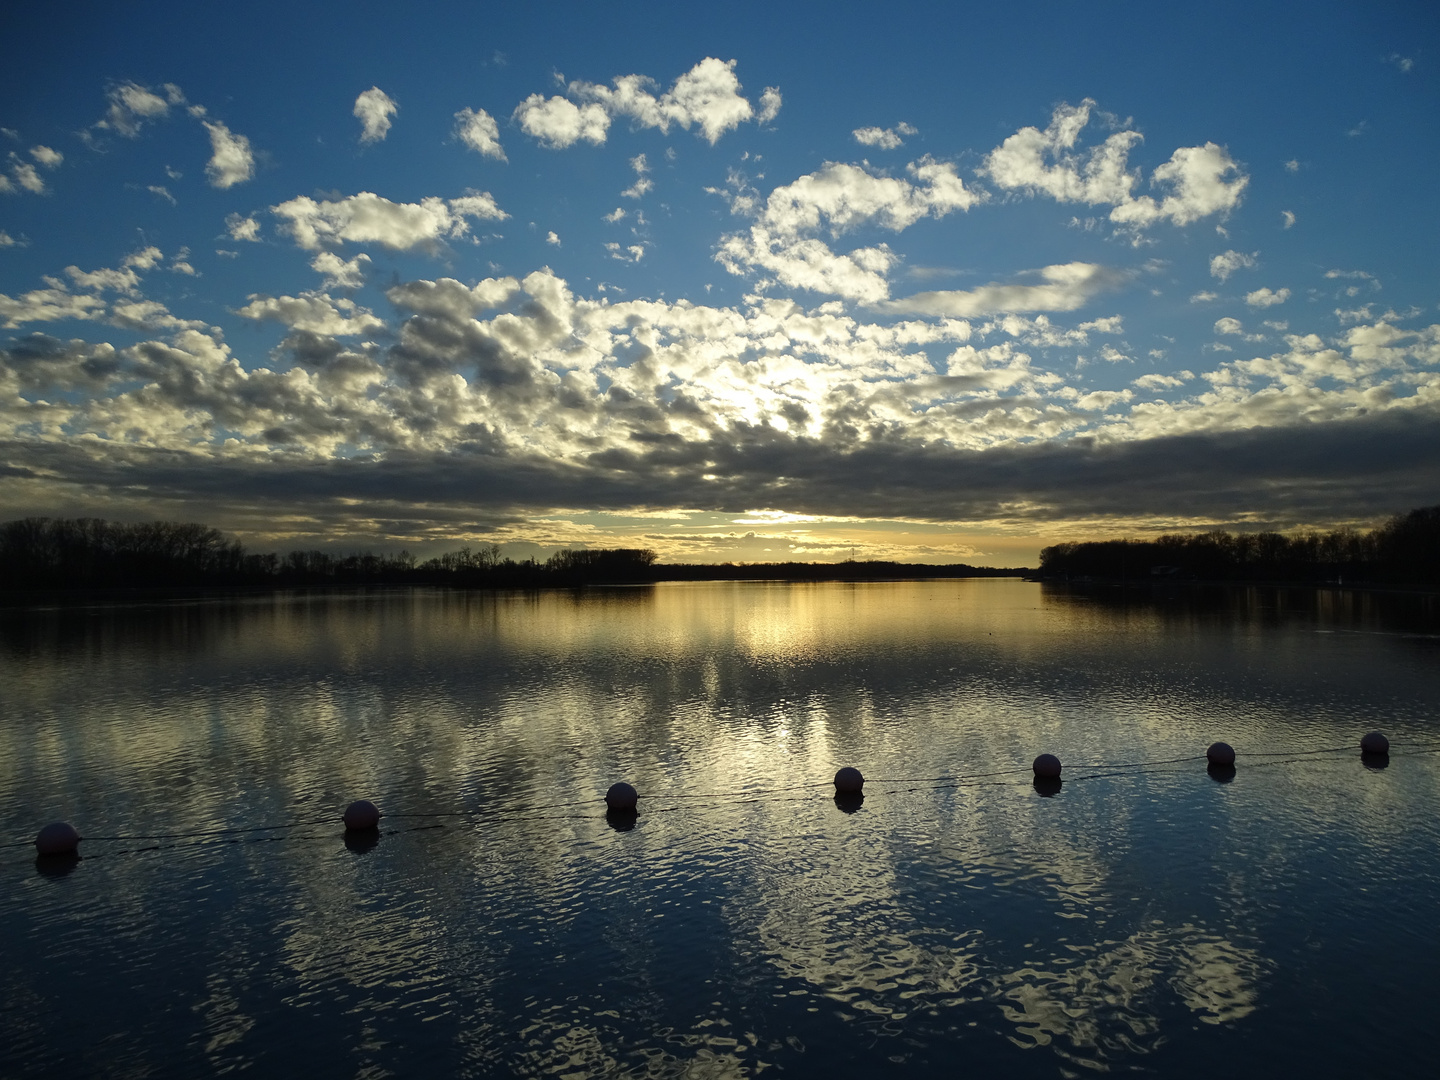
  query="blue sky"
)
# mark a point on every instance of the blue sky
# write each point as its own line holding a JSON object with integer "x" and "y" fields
{"x": 928, "y": 282}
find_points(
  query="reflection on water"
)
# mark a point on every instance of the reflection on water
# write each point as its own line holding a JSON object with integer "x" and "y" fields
{"x": 501, "y": 921}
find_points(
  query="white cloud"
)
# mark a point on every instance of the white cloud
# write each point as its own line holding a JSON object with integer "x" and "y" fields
{"x": 338, "y": 273}
{"x": 1062, "y": 287}
{"x": 1404, "y": 63}
{"x": 147, "y": 258}
{"x": 318, "y": 313}
{"x": 131, "y": 105}
{"x": 1264, "y": 298}
{"x": 839, "y": 197}
{"x": 1293, "y": 165}
{"x": 6, "y": 240}
{"x": 1227, "y": 262}
{"x": 1204, "y": 297}
{"x": 1202, "y": 180}
{"x": 367, "y": 218}
{"x": 559, "y": 122}
{"x": 47, "y": 157}
{"x": 632, "y": 254}
{"x": 884, "y": 138}
{"x": 642, "y": 182}
{"x": 1197, "y": 177}
{"x": 231, "y": 161}
{"x": 478, "y": 130}
{"x": 1288, "y": 218}
{"x": 1157, "y": 382}
{"x": 707, "y": 96}
{"x": 160, "y": 191}
{"x": 842, "y": 197}
{"x": 552, "y": 238}
{"x": 1228, "y": 325}
{"x": 49, "y": 305}
{"x": 615, "y": 215}
{"x": 242, "y": 228}
{"x": 373, "y": 109}
{"x": 27, "y": 176}
{"x": 770, "y": 102}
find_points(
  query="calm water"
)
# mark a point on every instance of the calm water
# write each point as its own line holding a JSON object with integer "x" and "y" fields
{"x": 1146, "y": 919}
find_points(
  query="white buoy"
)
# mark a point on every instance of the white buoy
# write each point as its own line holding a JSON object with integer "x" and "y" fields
{"x": 848, "y": 781}
{"x": 57, "y": 838}
{"x": 362, "y": 814}
{"x": 1047, "y": 766}
{"x": 621, "y": 796}
{"x": 1220, "y": 753}
{"x": 1375, "y": 743}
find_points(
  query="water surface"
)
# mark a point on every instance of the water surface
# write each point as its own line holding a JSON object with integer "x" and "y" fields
{"x": 1147, "y": 917}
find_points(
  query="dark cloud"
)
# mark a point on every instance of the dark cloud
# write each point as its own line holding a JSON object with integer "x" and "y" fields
{"x": 1352, "y": 469}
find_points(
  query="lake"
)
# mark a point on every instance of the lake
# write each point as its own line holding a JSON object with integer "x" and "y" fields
{"x": 1146, "y": 917}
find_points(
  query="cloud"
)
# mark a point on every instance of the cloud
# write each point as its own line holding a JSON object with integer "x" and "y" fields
{"x": 338, "y": 273}
{"x": 160, "y": 191}
{"x": 231, "y": 161}
{"x": 314, "y": 312}
{"x": 1228, "y": 325}
{"x": 367, "y": 218}
{"x": 373, "y": 109}
{"x": 1064, "y": 287}
{"x": 1288, "y": 218}
{"x": 1404, "y": 63}
{"x": 770, "y": 102}
{"x": 45, "y": 156}
{"x": 132, "y": 106}
{"x": 26, "y": 175}
{"x": 6, "y": 240}
{"x": 618, "y": 214}
{"x": 1226, "y": 263}
{"x": 552, "y": 238}
{"x": 559, "y": 122}
{"x": 1292, "y": 165}
{"x": 509, "y": 397}
{"x": 1264, "y": 298}
{"x": 707, "y": 96}
{"x": 1156, "y": 381}
{"x": 242, "y": 228}
{"x": 883, "y": 138}
{"x": 839, "y": 198}
{"x": 478, "y": 130}
{"x": 1201, "y": 180}
{"x": 642, "y": 182}
{"x": 1204, "y": 297}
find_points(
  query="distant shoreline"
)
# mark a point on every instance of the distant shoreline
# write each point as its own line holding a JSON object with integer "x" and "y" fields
{"x": 140, "y": 595}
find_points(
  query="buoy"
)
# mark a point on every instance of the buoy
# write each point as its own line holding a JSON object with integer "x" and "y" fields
{"x": 362, "y": 814}
{"x": 1047, "y": 766}
{"x": 1220, "y": 753}
{"x": 621, "y": 796}
{"x": 1375, "y": 743}
{"x": 848, "y": 781}
{"x": 57, "y": 838}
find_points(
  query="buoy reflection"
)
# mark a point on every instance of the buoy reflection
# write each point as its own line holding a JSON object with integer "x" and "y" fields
{"x": 1221, "y": 774}
{"x": 56, "y": 866}
{"x": 621, "y": 819}
{"x": 361, "y": 840}
{"x": 1048, "y": 786}
{"x": 849, "y": 801}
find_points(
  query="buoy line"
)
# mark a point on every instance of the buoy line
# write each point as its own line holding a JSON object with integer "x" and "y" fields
{"x": 362, "y": 817}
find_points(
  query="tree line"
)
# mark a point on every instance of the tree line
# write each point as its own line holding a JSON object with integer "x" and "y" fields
{"x": 91, "y": 553}
{"x": 70, "y": 554}
{"x": 1405, "y": 550}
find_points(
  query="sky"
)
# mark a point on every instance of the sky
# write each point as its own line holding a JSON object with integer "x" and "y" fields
{"x": 927, "y": 282}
